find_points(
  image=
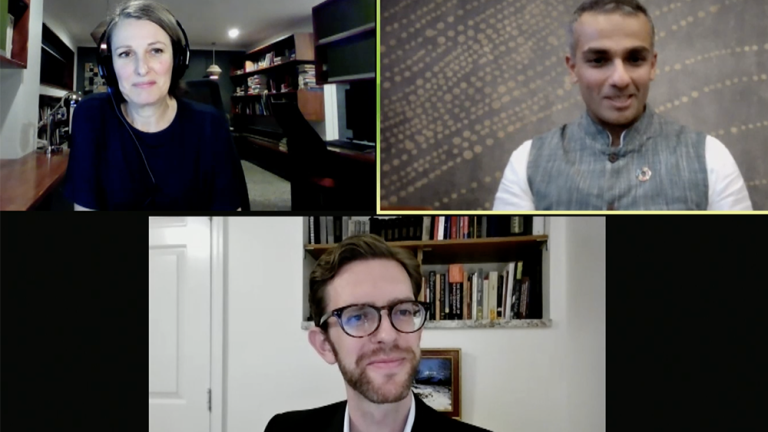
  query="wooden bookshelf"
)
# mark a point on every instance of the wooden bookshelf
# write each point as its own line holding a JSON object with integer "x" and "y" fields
{"x": 468, "y": 251}
{"x": 270, "y": 93}
{"x": 17, "y": 59}
{"x": 270, "y": 68}
{"x": 311, "y": 102}
{"x": 471, "y": 324}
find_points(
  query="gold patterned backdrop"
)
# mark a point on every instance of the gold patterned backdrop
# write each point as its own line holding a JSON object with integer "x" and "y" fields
{"x": 464, "y": 83}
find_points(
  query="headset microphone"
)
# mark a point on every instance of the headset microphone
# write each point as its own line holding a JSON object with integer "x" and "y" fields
{"x": 107, "y": 72}
{"x": 154, "y": 184}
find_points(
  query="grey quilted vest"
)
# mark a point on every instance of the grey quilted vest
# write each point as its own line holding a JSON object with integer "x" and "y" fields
{"x": 660, "y": 165}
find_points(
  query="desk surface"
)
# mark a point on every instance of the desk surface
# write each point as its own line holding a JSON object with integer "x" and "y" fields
{"x": 369, "y": 157}
{"x": 24, "y": 182}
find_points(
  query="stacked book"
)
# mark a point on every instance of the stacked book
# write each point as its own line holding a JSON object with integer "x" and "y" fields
{"x": 482, "y": 295}
{"x": 307, "y": 77}
{"x": 267, "y": 61}
{"x": 257, "y": 84}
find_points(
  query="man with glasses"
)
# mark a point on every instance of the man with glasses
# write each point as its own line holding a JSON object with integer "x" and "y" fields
{"x": 362, "y": 296}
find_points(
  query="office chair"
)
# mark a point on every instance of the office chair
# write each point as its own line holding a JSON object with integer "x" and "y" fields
{"x": 312, "y": 183}
{"x": 207, "y": 91}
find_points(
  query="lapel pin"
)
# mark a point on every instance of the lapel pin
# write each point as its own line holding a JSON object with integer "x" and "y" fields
{"x": 644, "y": 174}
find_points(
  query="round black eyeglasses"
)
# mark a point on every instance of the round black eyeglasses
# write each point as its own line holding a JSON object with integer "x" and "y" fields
{"x": 361, "y": 320}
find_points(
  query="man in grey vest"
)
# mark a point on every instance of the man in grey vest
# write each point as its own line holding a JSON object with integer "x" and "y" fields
{"x": 619, "y": 155}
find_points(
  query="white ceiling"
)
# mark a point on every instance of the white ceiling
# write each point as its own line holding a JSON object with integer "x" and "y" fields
{"x": 205, "y": 21}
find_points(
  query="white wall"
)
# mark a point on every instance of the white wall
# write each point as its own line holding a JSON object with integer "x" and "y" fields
{"x": 513, "y": 379}
{"x": 19, "y": 92}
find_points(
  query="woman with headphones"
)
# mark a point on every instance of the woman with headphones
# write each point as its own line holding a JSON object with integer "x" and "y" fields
{"x": 137, "y": 147}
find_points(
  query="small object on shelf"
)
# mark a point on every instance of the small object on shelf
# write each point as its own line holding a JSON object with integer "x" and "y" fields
{"x": 9, "y": 36}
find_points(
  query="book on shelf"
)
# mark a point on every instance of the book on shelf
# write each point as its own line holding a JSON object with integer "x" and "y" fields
{"x": 334, "y": 229}
{"x": 307, "y": 78}
{"x": 424, "y": 228}
{"x": 476, "y": 294}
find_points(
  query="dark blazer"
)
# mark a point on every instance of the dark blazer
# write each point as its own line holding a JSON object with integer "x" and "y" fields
{"x": 330, "y": 418}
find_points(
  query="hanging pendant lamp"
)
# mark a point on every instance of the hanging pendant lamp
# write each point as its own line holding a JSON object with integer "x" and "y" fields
{"x": 213, "y": 71}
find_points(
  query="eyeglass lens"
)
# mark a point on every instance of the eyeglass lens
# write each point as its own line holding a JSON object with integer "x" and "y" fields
{"x": 406, "y": 317}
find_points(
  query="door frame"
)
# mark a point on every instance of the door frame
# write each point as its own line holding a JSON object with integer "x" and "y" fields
{"x": 218, "y": 323}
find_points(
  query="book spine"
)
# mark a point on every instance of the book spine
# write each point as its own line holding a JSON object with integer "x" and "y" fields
{"x": 516, "y": 301}
{"x": 337, "y": 229}
{"x": 435, "y": 229}
{"x": 500, "y": 297}
{"x": 440, "y": 227}
{"x": 468, "y": 298}
{"x": 525, "y": 296}
{"x": 465, "y": 226}
{"x": 510, "y": 287}
{"x": 329, "y": 229}
{"x": 395, "y": 229}
{"x": 452, "y": 302}
{"x": 311, "y": 227}
{"x": 446, "y": 298}
{"x": 504, "y": 291}
{"x": 437, "y": 297}
{"x": 486, "y": 298}
{"x": 344, "y": 227}
{"x": 478, "y": 296}
{"x": 425, "y": 231}
{"x": 493, "y": 280}
{"x": 453, "y": 227}
{"x": 323, "y": 236}
{"x": 484, "y": 227}
{"x": 432, "y": 295}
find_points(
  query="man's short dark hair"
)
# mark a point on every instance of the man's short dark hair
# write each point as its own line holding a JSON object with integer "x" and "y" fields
{"x": 624, "y": 7}
{"x": 352, "y": 249}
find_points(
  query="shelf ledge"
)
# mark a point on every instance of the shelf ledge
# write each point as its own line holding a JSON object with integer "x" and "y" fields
{"x": 306, "y": 325}
{"x": 347, "y": 34}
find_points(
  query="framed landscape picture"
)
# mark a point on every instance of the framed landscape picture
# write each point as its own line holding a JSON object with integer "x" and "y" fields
{"x": 438, "y": 379}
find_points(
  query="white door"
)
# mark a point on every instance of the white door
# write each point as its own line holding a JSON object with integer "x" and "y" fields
{"x": 179, "y": 324}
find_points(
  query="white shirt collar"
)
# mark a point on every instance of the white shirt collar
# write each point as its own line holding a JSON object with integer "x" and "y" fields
{"x": 408, "y": 424}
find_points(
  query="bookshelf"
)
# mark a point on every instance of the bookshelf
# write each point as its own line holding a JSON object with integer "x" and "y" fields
{"x": 345, "y": 40}
{"x": 468, "y": 251}
{"x": 19, "y": 10}
{"x": 491, "y": 254}
{"x": 277, "y": 67}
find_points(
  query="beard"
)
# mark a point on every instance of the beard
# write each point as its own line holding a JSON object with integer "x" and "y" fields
{"x": 395, "y": 388}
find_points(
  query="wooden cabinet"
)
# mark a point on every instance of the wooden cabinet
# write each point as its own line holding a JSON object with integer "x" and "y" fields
{"x": 312, "y": 104}
{"x": 19, "y": 9}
